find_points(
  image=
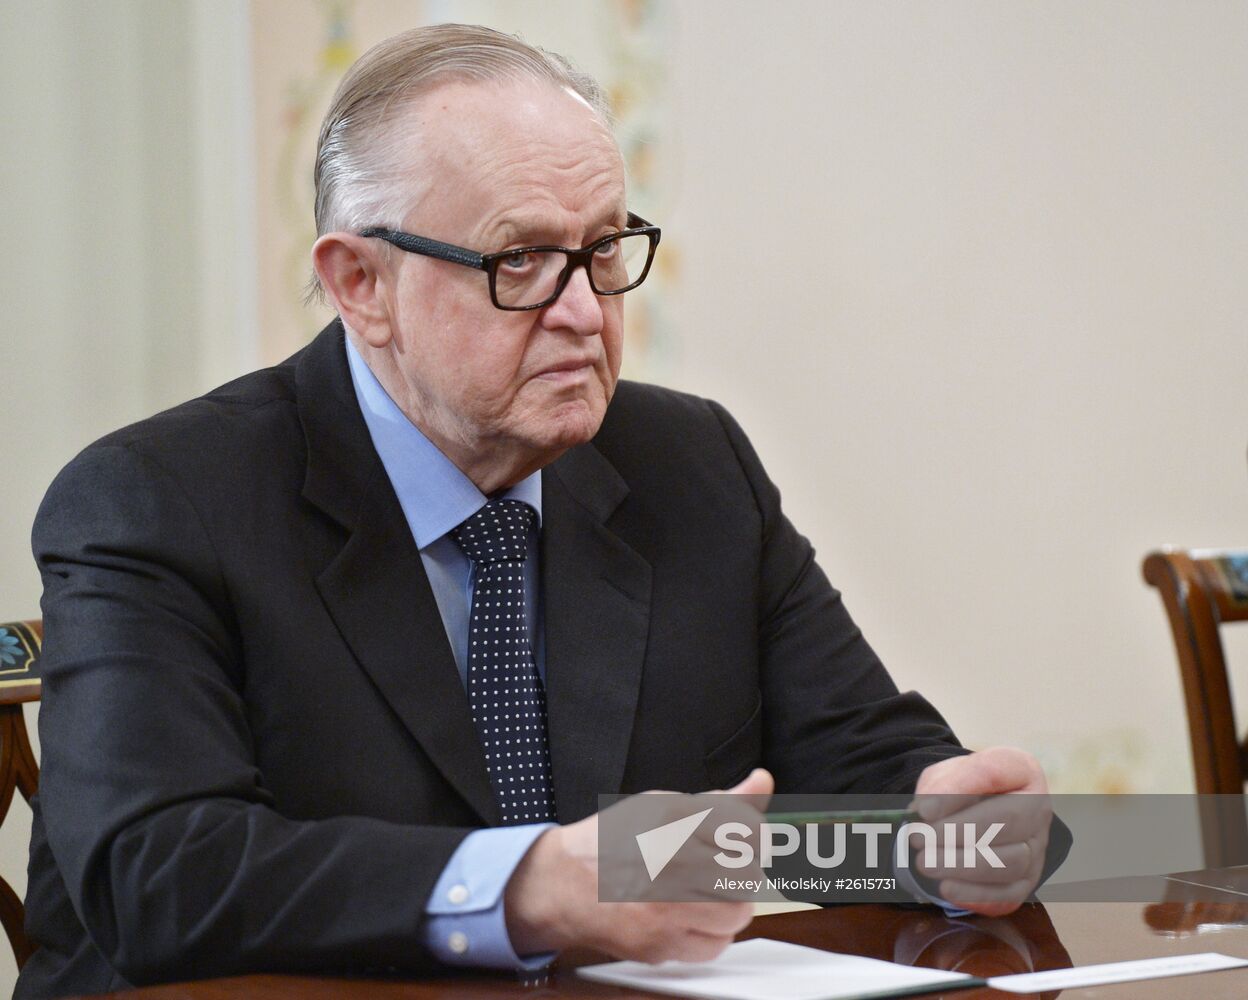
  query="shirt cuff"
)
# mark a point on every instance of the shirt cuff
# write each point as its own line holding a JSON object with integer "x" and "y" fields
{"x": 464, "y": 919}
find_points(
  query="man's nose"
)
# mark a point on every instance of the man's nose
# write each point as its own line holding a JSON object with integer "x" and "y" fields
{"x": 577, "y": 308}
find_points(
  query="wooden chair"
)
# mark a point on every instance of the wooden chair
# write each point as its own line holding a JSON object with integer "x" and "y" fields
{"x": 1202, "y": 590}
{"x": 20, "y": 643}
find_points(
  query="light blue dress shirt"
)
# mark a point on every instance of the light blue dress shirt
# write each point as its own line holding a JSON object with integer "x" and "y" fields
{"x": 466, "y": 924}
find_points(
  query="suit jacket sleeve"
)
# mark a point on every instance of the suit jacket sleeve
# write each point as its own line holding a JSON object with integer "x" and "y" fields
{"x": 833, "y": 720}
{"x": 171, "y": 851}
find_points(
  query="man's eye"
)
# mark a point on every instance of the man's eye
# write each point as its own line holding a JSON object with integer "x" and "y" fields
{"x": 609, "y": 249}
{"x": 516, "y": 261}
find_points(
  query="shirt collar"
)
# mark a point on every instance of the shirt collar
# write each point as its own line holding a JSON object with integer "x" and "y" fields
{"x": 434, "y": 494}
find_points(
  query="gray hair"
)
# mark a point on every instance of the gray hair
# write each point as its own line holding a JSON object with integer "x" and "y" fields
{"x": 360, "y": 152}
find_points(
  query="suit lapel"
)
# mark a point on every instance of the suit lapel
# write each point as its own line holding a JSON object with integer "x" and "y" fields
{"x": 596, "y": 598}
{"x": 376, "y": 589}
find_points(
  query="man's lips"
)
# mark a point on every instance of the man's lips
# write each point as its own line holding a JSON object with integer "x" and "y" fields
{"x": 566, "y": 369}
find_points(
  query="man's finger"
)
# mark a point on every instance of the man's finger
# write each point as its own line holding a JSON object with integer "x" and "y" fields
{"x": 1016, "y": 860}
{"x": 719, "y": 917}
{"x": 699, "y": 947}
{"x": 685, "y": 946}
{"x": 989, "y": 772}
{"x": 992, "y": 900}
{"x": 936, "y": 808}
{"x": 1021, "y": 814}
{"x": 757, "y": 782}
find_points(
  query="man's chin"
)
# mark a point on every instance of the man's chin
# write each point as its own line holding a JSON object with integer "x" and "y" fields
{"x": 573, "y": 423}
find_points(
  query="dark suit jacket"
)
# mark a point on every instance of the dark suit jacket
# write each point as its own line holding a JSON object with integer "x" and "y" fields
{"x": 257, "y": 753}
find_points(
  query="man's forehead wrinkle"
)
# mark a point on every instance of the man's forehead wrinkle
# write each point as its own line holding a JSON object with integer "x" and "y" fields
{"x": 512, "y": 189}
{"x": 545, "y": 228}
{"x": 533, "y": 212}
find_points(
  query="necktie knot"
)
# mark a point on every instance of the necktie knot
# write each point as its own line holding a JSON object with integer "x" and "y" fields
{"x": 498, "y": 532}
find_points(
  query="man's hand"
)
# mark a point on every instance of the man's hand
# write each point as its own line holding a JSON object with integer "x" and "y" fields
{"x": 552, "y": 903}
{"x": 951, "y": 791}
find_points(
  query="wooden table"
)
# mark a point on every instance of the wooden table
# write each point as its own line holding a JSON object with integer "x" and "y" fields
{"x": 1039, "y": 936}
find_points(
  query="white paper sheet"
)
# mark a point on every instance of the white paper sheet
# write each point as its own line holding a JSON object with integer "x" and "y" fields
{"x": 762, "y": 969}
{"x": 1116, "y": 972}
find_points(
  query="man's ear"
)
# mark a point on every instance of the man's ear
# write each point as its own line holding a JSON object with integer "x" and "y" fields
{"x": 349, "y": 269}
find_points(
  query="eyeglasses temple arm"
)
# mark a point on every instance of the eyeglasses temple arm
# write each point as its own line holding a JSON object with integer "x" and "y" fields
{"x": 427, "y": 247}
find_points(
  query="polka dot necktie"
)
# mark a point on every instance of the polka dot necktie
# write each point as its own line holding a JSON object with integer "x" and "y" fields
{"x": 504, "y": 689}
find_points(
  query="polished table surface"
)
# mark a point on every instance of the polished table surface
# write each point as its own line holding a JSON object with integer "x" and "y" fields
{"x": 1039, "y": 936}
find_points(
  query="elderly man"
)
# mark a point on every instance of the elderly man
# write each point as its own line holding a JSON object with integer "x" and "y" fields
{"x": 339, "y": 656}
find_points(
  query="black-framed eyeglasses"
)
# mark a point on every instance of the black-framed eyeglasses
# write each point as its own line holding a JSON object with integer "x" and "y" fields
{"x": 533, "y": 277}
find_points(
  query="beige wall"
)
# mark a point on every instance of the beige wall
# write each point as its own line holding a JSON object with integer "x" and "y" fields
{"x": 972, "y": 274}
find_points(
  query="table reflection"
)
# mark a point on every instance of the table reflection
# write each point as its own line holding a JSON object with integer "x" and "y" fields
{"x": 1184, "y": 918}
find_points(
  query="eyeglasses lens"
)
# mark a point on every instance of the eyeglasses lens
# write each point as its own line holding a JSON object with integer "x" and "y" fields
{"x": 525, "y": 279}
